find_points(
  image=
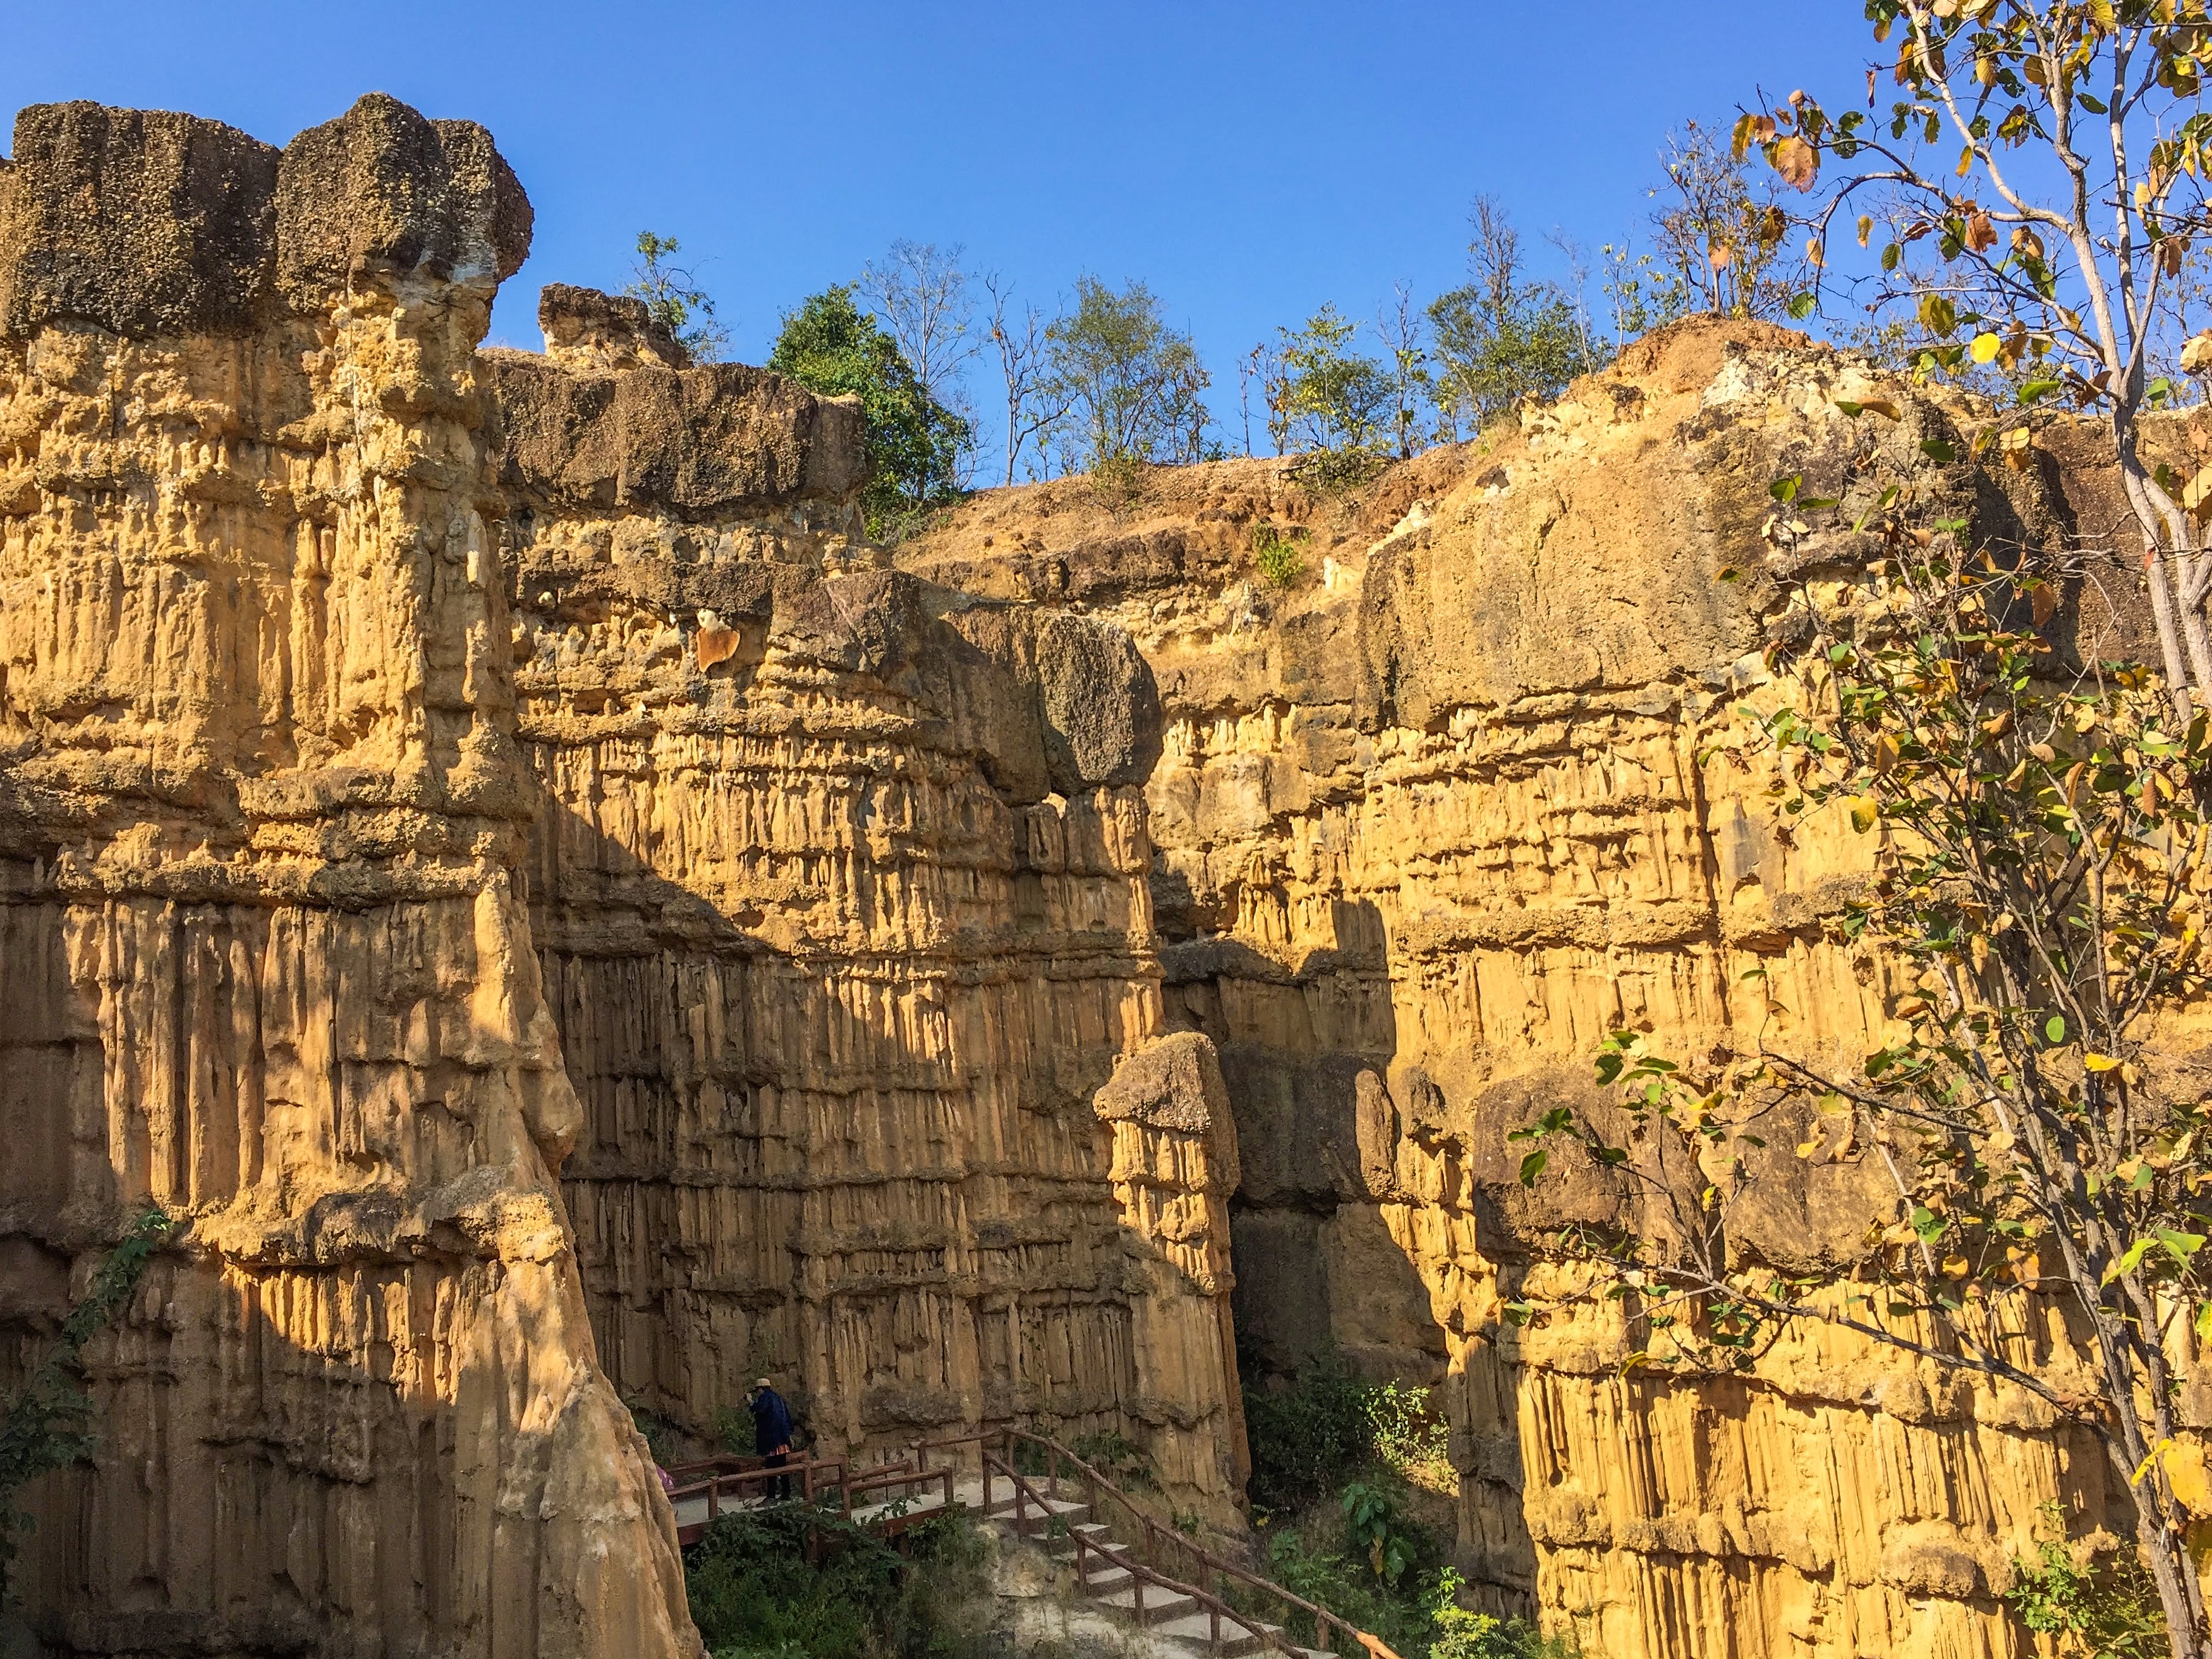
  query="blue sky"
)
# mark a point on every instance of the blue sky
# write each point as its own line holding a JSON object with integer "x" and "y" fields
{"x": 1249, "y": 162}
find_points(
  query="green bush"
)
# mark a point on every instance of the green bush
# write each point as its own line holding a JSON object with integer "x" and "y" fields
{"x": 756, "y": 1594}
{"x": 1276, "y": 552}
{"x": 1117, "y": 1457}
{"x": 46, "y": 1423}
{"x": 2098, "y": 1611}
{"x": 1307, "y": 1439}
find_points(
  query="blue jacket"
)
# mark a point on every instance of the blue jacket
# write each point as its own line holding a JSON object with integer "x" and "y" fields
{"x": 771, "y": 1421}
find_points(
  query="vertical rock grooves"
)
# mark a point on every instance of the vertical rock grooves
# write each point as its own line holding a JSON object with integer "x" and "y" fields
{"x": 264, "y": 956}
{"x": 841, "y": 891}
{"x": 480, "y": 840}
{"x": 1462, "y": 798}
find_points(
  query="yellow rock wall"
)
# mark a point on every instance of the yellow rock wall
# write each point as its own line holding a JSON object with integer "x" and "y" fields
{"x": 1431, "y": 821}
{"x": 482, "y": 844}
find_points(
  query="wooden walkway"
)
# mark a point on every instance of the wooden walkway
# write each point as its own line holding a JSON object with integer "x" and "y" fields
{"x": 1122, "y": 1554}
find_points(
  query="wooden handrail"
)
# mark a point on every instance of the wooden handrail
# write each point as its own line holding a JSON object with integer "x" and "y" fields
{"x": 1154, "y": 1532}
{"x": 1139, "y": 1574}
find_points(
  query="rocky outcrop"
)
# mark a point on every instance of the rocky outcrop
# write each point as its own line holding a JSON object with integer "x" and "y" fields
{"x": 1444, "y": 811}
{"x": 481, "y": 843}
{"x": 841, "y": 891}
{"x": 267, "y": 961}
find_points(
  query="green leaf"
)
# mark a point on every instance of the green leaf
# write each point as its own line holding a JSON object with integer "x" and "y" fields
{"x": 1927, "y": 1224}
{"x": 1849, "y": 408}
{"x": 1938, "y": 450}
{"x": 1532, "y": 1166}
{"x": 2054, "y": 1028}
{"x": 1785, "y": 489}
{"x": 2035, "y": 390}
{"x": 2179, "y": 1245}
{"x": 2128, "y": 1263}
{"x": 1801, "y": 305}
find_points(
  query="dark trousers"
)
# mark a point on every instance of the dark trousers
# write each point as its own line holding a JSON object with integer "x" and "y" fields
{"x": 779, "y": 1489}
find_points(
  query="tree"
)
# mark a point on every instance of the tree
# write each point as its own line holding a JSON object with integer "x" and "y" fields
{"x": 1335, "y": 399}
{"x": 1263, "y": 365}
{"x": 46, "y": 1425}
{"x": 920, "y": 293}
{"x": 2045, "y": 160}
{"x": 1404, "y": 333}
{"x": 675, "y": 298}
{"x": 913, "y": 443}
{"x": 2032, "y": 910}
{"x": 1501, "y": 337}
{"x": 1641, "y": 295}
{"x": 1724, "y": 234}
{"x": 1130, "y": 385}
{"x": 1031, "y": 413}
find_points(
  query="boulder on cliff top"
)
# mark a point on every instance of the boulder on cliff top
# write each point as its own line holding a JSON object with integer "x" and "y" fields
{"x": 143, "y": 222}
{"x": 146, "y": 222}
{"x": 596, "y": 333}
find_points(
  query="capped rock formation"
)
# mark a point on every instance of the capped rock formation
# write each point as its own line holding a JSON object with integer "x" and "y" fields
{"x": 482, "y": 845}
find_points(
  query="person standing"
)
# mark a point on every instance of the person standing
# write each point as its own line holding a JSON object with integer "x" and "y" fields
{"x": 772, "y": 1433}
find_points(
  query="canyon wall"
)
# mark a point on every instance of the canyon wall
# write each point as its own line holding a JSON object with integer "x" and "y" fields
{"x": 485, "y": 842}
{"x": 482, "y": 845}
{"x": 1441, "y": 812}
{"x": 841, "y": 889}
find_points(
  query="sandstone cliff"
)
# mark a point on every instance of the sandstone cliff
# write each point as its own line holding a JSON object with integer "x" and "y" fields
{"x": 1434, "y": 818}
{"x": 483, "y": 839}
{"x": 480, "y": 842}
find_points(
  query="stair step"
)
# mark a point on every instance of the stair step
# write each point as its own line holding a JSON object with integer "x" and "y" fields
{"x": 1198, "y": 1626}
{"x": 1160, "y": 1605}
{"x": 1040, "y": 1517}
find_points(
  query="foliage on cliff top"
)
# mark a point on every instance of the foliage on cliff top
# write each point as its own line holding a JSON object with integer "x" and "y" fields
{"x": 674, "y": 297}
{"x": 1129, "y": 383}
{"x": 47, "y": 1425}
{"x": 914, "y": 443}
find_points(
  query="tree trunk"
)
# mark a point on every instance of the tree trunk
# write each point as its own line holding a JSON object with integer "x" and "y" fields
{"x": 2170, "y": 1569}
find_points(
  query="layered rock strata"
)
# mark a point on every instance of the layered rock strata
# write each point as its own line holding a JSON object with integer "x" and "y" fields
{"x": 267, "y": 962}
{"x": 481, "y": 843}
{"x": 842, "y": 892}
{"x": 1442, "y": 811}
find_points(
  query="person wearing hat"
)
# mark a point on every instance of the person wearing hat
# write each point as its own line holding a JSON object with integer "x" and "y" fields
{"x": 772, "y": 1433}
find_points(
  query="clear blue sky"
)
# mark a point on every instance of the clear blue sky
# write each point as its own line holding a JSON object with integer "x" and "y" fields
{"x": 1249, "y": 161}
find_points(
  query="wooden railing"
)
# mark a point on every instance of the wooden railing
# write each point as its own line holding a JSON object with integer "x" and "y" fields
{"x": 812, "y": 1478}
{"x": 1139, "y": 1574}
{"x": 1206, "y": 1573}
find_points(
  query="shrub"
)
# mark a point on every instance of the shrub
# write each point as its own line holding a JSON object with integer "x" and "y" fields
{"x": 1412, "y": 1437}
{"x": 1117, "y": 1457}
{"x": 1276, "y": 552}
{"x": 47, "y": 1424}
{"x": 1307, "y": 1439}
{"x": 2097, "y": 1612}
{"x": 755, "y": 1594}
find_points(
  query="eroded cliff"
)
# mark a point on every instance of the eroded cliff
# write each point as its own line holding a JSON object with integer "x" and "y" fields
{"x": 482, "y": 844}
{"x": 1444, "y": 809}
{"x": 483, "y": 839}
